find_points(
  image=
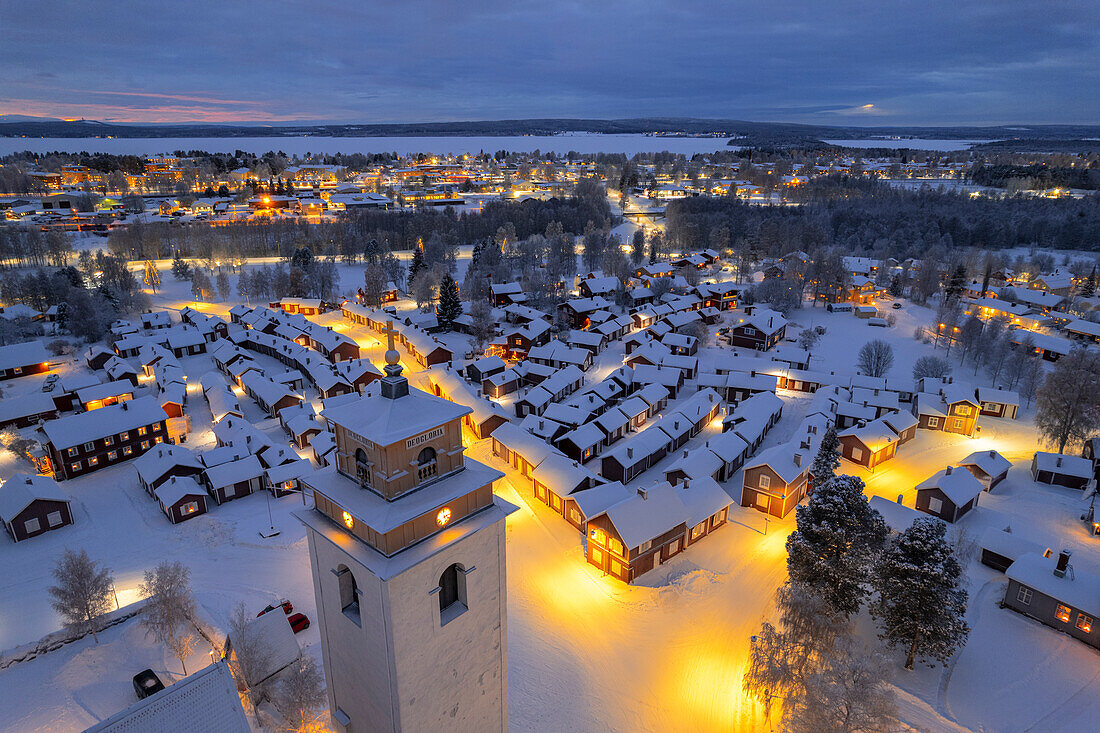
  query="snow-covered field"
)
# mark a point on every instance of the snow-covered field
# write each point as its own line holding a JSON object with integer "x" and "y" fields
{"x": 585, "y": 653}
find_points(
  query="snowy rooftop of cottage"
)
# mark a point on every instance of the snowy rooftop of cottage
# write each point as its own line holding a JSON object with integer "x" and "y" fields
{"x": 1078, "y": 588}
{"x": 73, "y": 430}
{"x": 959, "y": 486}
{"x": 22, "y": 489}
{"x": 204, "y": 702}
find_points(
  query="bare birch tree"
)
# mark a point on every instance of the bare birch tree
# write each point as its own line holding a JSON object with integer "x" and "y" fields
{"x": 84, "y": 591}
{"x": 170, "y": 608}
{"x": 300, "y": 695}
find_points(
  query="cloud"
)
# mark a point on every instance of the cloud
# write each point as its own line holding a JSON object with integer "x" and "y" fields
{"x": 934, "y": 62}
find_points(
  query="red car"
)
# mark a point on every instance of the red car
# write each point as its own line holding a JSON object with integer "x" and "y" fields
{"x": 287, "y": 607}
{"x": 298, "y": 622}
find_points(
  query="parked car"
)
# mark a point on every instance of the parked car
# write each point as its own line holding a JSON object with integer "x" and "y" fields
{"x": 147, "y": 683}
{"x": 286, "y": 605}
{"x": 298, "y": 622}
{"x": 896, "y": 306}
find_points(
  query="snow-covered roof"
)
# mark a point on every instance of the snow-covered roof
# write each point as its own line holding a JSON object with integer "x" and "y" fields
{"x": 233, "y": 472}
{"x": 19, "y": 491}
{"x": 24, "y": 354}
{"x": 386, "y": 421}
{"x": 1063, "y": 464}
{"x": 959, "y": 486}
{"x": 1010, "y": 545}
{"x": 204, "y": 702}
{"x": 990, "y": 462}
{"x": 898, "y": 517}
{"x": 276, "y": 634}
{"x": 164, "y": 457}
{"x": 648, "y": 513}
{"x": 73, "y": 430}
{"x": 176, "y": 488}
{"x": 1079, "y": 588}
{"x": 703, "y": 497}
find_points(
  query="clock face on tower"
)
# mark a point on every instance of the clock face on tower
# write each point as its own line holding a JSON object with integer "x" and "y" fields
{"x": 443, "y": 517}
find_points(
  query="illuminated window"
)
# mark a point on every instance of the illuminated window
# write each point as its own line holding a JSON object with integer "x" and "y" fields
{"x": 596, "y": 555}
{"x": 1062, "y": 613}
{"x": 962, "y": 410}
{"x": 697, "y": 530}
{"x": 1023, "y": 595}
{"x": 615, "y": 546}
{"x": 93, "y": 462}
{"x": 70, "y": 452}
{"x": 598, "y": 535}
{"x": 1083, "y": 622}
{"x": 958, "y": 423}
{"x": 190, "y": 507}
{"x": 145, "y": 445}
{"x": 124, "y": 436}
{"x": 127, "y": 450}
{"x": 142, "y": 431}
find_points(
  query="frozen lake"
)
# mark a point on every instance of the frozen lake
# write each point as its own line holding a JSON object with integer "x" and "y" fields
{"x": 561, "y": 144}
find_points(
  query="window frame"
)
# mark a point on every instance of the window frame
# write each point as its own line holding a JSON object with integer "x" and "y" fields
{"x": 1024, "y": 595}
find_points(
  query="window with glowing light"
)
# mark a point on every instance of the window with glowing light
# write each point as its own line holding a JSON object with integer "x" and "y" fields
{"x": 349, "y": 522}
{"x": 1084, "y": 622}
{"x": 1062, "y": 613}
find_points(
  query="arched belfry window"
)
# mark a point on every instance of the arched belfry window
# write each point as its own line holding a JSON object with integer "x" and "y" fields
{"x": 426, "y": 463}
{"x": 349, "y": 593}
{"x": 362, "y": 467}
{"x": 452, "y": 593}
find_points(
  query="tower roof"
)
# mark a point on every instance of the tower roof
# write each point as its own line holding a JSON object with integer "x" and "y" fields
{"x": 385, "y": 420}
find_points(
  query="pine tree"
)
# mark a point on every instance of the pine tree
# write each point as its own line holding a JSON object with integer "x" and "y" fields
{"x": 920, "y": 605}
{"x": 826, "y": 461}
{"x": 152, "y": 276}
{"x": 415, "y": 266}
{"x": 180, "y": 269}
{"x": 831, "y": 552}
{"x": 1089, "y": 288}
{"x": 450, "y": 306}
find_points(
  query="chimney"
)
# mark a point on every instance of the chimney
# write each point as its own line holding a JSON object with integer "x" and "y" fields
{"x": 992, "y": 453}
{"x": 1056, "y": 463}
{"x": 798, "y": 459}
{"x": 629, "y": 452}
{"x": 899, "y": 498}
{"x": 947, "y": 472}
{"x": 643, "y": 493}
{"x": 1063, "y": 563}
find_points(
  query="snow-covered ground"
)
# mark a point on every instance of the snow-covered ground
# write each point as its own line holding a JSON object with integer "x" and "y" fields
{"x": 585, "y": 652}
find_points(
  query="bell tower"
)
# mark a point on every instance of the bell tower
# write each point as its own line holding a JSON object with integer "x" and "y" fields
{"x": 406, "y": 545}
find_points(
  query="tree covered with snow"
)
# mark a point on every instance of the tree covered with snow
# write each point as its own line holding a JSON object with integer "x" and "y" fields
{"x": 375, "y": 285}
{"x": 1068, "y": 402}
{"x": 827, "y": 459}
{"x": 450, "y": 305}
{"x": 169, "y": 611}
{"x": 249, "y": 654}
{"x": 875, "y": 358}
{"x": 83, "y": 593}
{"x": 837, "y": 538}
{"x": 919, "y": 605}
{"x": 300, "y": 695}
{"x": 849, "y": 693}
{"x": 781, "y": 655}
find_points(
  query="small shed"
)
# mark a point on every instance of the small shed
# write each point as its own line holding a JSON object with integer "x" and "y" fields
{"x": 988, "y": 466}
{"x": 949, "y": 494}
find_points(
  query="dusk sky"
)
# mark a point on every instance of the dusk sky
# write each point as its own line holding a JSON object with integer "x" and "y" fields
{"x": 873, "y": 63}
